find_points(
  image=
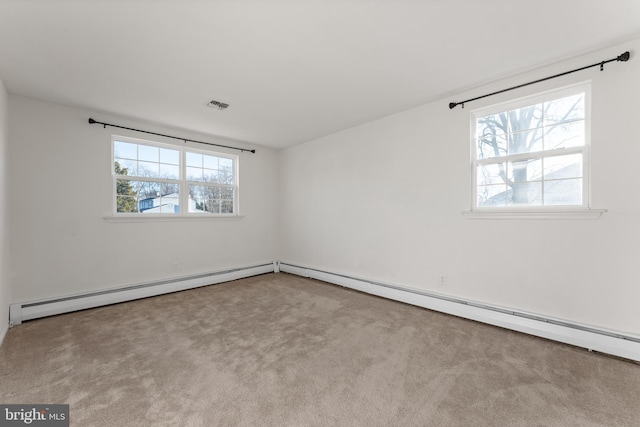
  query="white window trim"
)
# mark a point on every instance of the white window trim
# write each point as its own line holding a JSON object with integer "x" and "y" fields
{"x": 530, "y": 214}
{"x": 583, "y": 211}
{"x": 169, "y": 217}
{"x": 115, "y": 216}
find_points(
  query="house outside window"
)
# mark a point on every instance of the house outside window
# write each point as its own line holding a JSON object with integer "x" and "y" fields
{"x": 154, "y": 179}
{"x": 532, "y": 153}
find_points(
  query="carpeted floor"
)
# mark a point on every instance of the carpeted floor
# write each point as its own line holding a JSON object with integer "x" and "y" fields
{"x": 280, "y": 350}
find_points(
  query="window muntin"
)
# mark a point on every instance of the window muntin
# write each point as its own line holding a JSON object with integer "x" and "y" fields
{"x": 533, "y": 152}
{"x": 156, "y": 179}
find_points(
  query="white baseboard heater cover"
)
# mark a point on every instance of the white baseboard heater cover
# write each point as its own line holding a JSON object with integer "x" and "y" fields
{"x": 32, "y": 310}
{"x": 586, "y": 336}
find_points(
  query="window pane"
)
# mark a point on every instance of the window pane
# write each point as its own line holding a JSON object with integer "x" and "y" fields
{"x": 124, "y": 188}
{"x": 149, "y": 158}
{"x": 226, "y": 164}
{"x": 171, "y": 157}
{"x": 525, "y": 170}
{"x": 204, "y": 192}
{"x": 213, "y": 192}
{"x": 210, "y": 175}
{"x": 169, "y": 200}
{"x": 148, "y": 153}
{"x": 492, "y": 195}
{"x": 491, "y": 174}
{"x": 225, "y": 177}
{"x": 125, "y": 167}
{"x": 495, "y": 124}
{"x": 563, "y": 192}
{"x": 125, "y": 150}
{"x": 209, "y": 199}
{"x": 564, "y": 109}
{"x": 564, "y": 135}
{"x": 126, "y": 198}
{"x": 525, "y": 194}
{"x": 169, "y": 171}
{"x": 210, "y": 162}
{"x": 226, "y": 172}
{"x": 156, "y": 197}
{"x": 491, "y": 146}
{"x": 148, "y": 169}
{"x": 204, "y": 199}
{"x": 226, "y": 207}
{"x": 214, "y": 206}
{"x": 146, "y": 189}
{"x": 126, "y": 204}
{"x": 194, "y": 159}
{"x": 559, "y": 167}
{"x": 226, "y": 193}
{"x": 525, "y": 118}
{"x": 194, "y": 174}
{"x": 525, "y": 142}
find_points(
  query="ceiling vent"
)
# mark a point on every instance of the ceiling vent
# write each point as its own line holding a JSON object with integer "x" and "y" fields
{"x": 217, "y": 105}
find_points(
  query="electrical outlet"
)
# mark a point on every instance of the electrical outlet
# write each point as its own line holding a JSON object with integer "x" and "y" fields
{"x": 443, "y": 279}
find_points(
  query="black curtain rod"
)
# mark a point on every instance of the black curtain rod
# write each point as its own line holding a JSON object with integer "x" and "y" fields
{"x": 91, "y": 121}
{"x": 624, "y": 58}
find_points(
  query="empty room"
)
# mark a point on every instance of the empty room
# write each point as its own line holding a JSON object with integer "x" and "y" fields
{"x": 319, "y": 213}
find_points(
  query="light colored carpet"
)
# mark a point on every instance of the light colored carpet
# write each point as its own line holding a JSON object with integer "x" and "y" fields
{"x": 280, "y": 350}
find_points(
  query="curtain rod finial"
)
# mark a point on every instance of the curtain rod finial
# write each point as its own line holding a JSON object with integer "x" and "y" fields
{"x": 91, "y": 121}
{"x": 624, "y": 57}
{"x": 452, "y": 105}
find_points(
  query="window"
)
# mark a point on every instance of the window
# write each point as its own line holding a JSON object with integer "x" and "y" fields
{"x": 151, "y": 178}
{"x": 533, "y": 152}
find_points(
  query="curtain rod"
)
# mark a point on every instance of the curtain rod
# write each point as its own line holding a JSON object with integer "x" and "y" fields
{"x": 624, "y": 58}
{"x": 91, "y": 121}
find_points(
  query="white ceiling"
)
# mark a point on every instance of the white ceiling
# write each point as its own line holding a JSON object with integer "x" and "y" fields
{"x": 292, "y": 70}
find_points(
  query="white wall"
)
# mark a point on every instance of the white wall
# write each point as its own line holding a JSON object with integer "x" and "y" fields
{"x": 61, "y": 190}
{"x": 383, "y": 201}
{"x": 5, "y": 294}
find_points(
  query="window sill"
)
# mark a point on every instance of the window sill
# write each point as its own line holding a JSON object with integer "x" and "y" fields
{"x": 165, "y": 218}
{"x": 553, "y": 214}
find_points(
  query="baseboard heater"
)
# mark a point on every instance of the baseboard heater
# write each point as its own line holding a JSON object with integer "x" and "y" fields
{"x": 21, "y": 312}
{"x": 586, "y": 336}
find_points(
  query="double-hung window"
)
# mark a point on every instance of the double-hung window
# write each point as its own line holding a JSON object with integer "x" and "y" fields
{"x": 532, "y": 153}
{"x": 153, "y": 179}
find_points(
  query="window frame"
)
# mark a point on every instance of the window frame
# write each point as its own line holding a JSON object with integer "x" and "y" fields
{"x": 182, "y": 182}
{"x": 532, "y": 211}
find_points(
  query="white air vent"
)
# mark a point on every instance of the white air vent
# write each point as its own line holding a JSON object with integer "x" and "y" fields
{"x": 217, "y": 105}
